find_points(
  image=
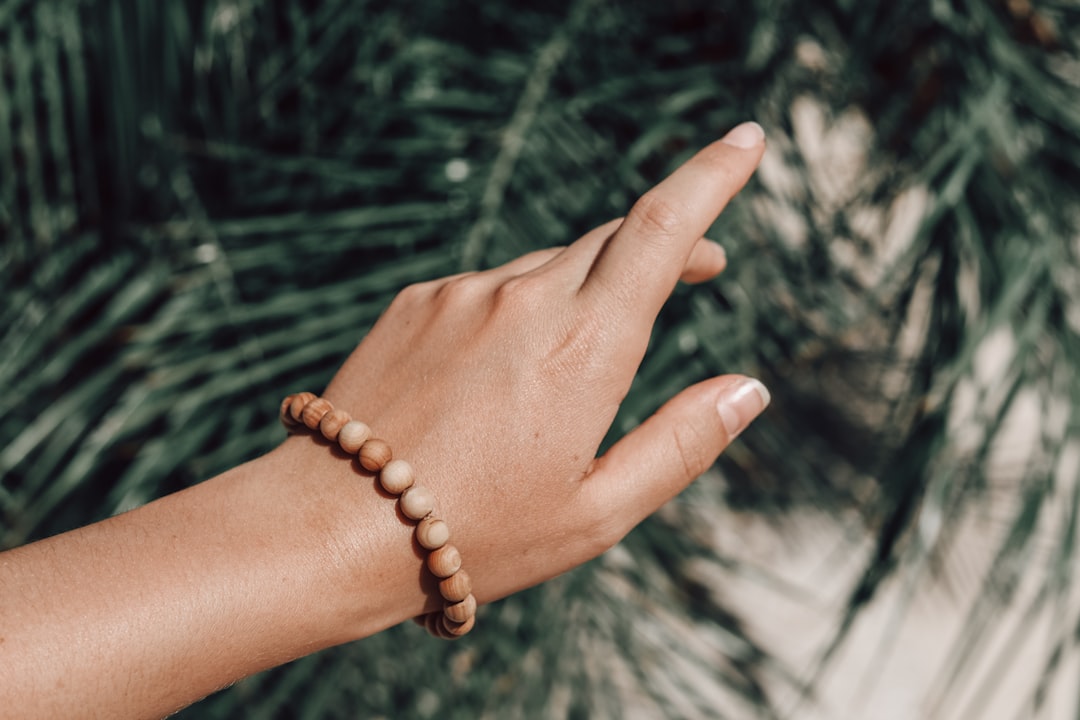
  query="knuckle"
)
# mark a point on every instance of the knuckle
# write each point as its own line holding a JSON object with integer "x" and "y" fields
{"x": 462, "y": 290}
{"x": 520, "y": 291}
{"x": 411, "y": 295}
{"x": 539, "y": 257}
{"x": 656, "y": 215}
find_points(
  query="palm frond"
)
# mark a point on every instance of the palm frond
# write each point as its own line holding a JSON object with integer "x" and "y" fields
{"x": 204, "y": 204}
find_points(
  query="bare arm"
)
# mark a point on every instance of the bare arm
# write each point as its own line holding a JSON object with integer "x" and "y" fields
{"x": 498, "y": 387}
{"x": 157, "y": 607}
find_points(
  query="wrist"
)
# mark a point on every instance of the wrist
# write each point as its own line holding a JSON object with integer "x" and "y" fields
{"x": 393, "y": 479}
{"x": 364, "y": 570}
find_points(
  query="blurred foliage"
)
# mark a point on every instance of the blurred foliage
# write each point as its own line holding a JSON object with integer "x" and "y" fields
{"x": 204, "y": 205}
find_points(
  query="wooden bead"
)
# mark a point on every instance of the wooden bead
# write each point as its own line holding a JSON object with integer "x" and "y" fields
{"x": 352, "y": 436}
{"x": 457, "y": 629}
{"x": 284, "y": 414}
{"x": 461, "y": 611}
{"x": 444, "y": 562}
{"x": 314, "y": 411}
{"x": 332, "y": 422}
{"x": 432, "y": 533}
{"x": 417, "y": 502}
{"x": 374, "y": 454}
{"x": 299, "y": 402}
{"x": 396, "y": 477}
{"x": 433, "y": 623}
{"x": 456, "y": 587}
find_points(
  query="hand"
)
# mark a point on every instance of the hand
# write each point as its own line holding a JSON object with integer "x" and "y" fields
{"x": 499, "y": 386}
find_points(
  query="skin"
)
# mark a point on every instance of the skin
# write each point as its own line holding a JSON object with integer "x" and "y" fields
{"x": 497, "y": 386}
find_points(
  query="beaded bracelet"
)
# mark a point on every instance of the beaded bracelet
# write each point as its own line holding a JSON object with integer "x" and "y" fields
{"x": 415, "y": 501}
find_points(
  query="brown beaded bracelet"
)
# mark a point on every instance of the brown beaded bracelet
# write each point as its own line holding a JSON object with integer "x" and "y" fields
{"x": 415, "y": 501}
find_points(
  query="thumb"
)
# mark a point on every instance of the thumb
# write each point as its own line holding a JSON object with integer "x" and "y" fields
{"x": 659, "y": 458}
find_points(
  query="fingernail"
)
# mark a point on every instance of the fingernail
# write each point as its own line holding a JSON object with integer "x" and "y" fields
{"x": 740, "y": 403}
{"x": 746, "y": 136}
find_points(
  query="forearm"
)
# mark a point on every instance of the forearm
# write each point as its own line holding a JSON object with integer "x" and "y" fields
{"x": 146, "y": 612}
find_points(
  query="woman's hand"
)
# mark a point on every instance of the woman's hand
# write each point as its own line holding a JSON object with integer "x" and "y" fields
{"x": 499, "y": 386}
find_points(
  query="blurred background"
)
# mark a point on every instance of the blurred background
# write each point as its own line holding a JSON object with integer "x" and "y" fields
{"x": 204, "y": 205}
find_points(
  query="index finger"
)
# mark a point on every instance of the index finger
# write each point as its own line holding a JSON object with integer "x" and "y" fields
{"x": 644, "y": 258}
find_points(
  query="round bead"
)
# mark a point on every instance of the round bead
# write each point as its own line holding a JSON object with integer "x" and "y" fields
{"x": 299, "y": 402}
{"x": 461, "y": 611}
{"x": 284, "y": 415}
{"x": 332, "y": 422}
{"x": 314, "y": 411}
{"x": 417, "y": 502}
{"x": 457, "y": 629}
{"x": 456, "y": 587}
{"x": 432, "y": 533}
{"x": 433, "y": 623}
{"x": 396, "y": 477}
{"x": 352, "y": 436}
{"x": 374, "y": 454}
{"x": 444, "y": 562}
